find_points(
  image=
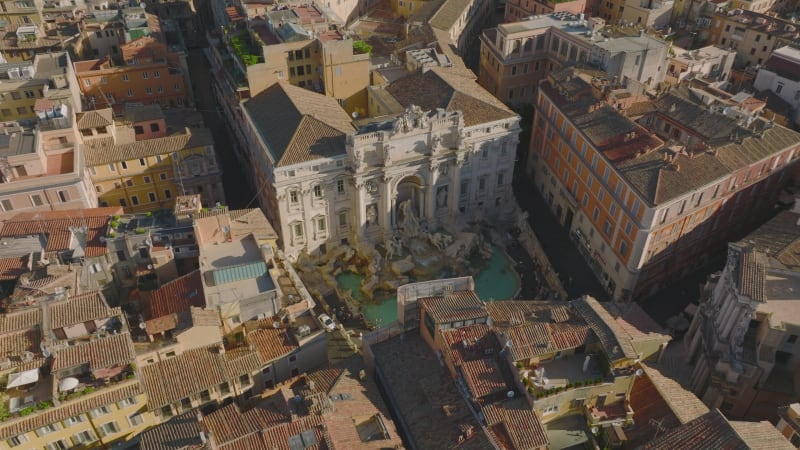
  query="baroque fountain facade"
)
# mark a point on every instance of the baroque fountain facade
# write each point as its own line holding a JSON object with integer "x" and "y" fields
{"x": 404, "y": 203}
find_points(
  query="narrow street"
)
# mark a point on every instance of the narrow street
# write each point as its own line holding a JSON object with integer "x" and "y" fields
{"x": 575, "y": 274}
{"x": 237, "y": 192}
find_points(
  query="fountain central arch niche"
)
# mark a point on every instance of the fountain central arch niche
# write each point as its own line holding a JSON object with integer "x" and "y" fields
{"x": 409, "y": 197}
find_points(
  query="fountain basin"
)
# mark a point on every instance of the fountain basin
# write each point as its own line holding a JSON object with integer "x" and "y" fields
{"x": 496, "y": 281}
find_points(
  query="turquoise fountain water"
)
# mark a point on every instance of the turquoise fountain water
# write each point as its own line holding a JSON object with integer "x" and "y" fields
{"x": 497, "y": 281}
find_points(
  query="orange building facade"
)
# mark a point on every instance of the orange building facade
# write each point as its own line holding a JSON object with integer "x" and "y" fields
{"x": 647, "y": 198}
{"x": 148, "y": 74}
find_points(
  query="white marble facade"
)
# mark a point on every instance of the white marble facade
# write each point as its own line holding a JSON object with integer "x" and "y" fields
{"x": 426, "y": 163}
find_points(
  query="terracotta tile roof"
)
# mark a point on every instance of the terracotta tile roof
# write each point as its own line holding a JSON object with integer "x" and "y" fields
{"x": 514, "y": 422}
{"x": 761, "y": 436}
{"x": 161, "y": 324}
{"x": 650, "y": 404}
{"x": 515, "y": 312}
{"x": 18, "y": 342}
{"x": 47, "y": 280}
{"x": 636, "y": 323}
{"x": 710, "y": 430}
{"x": 252, "y": 441}
{"x": 175, "y": 296}
{"x": 424, "y": 395}
{"x": 449, "y": 13}
{"x": 178, "y": 433}
{"x": 116, "y": 349}
{"x": 238, "y": 362}
{"x": 752, "y": 270}
{"x": 229, "y": 423}
{"x": 459, "y": 306}
{"x": 355, "y": 399}
{"x": 103, "y": 150}
{"x": 20, "y": 320}
{"x": 80, "y": 308}
{"x": 779, "y": 238}
{"x": 189, "y": 373}
{"x": 277, "y": 437}
{"x": 193, "y": 317}
{"x": 537, "y": 328}
{"x": 683, "y": 403}
{"x": 614, "y": 340}
{"x": 648, "y": 164}
{"x": 452, "y": 89}
{"x": 469, "y": 343}
{"x": 70, "y": 408}
{"x": 95, "y": 119}
{"x": 299, "y": 124}
{"x": 325, "y": 378}
{"x": 12, "y": 268}
{"x": 483, "y": 377}
{"x": 534, "y": 339}
{"x": 271, "y": 343}
{"x": 56, "y": 225}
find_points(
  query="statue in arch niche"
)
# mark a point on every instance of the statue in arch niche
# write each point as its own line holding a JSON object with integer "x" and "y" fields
{"x": 409, "y": 221}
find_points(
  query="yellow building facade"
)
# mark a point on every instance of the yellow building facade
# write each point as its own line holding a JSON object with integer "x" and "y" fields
{"x": 90, "y": 421}
{"x": 142, "y": 167}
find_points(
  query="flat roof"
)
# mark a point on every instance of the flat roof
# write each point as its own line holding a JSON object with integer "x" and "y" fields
{"x": 15, "y": 140}
{"x": 234, "y": 271}
{"x": 425, "y": 395}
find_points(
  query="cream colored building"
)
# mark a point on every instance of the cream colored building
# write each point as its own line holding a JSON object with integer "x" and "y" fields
{"x": 90, "y": 395}
{"x": 142, "y": 163}
{"x": 752, "y": 35}
{"x": 348, "y": 184}
{"x": 47, "y": 76}
{"x": 516, "y": 56}
{"x": 711, "y": 63}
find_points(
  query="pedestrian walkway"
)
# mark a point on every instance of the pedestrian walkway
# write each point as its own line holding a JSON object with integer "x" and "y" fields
{"x": 575, "y": 274}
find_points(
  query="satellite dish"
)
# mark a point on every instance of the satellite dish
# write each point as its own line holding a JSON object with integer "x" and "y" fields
{"x": 45, "y": 353}
{"x": 639, "y": 372}
{"x": 510, "y": 394}
{"x": 142, "y": 325}
{"x": 150, "y": 266}
{"x": 355, "y": 114}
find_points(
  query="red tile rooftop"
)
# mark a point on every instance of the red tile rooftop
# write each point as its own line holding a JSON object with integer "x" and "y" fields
{"x": 12, "y": 268}
{"x": 330, "y": 35}
{"x": 58, "y": 226}
{"x": 175, "y": 296}
{"x": 308, "y": 14}
{"x": 233, "y": 14}
{"x": 425, "y": 395}
{"x": 470, "y": 342}
{"x": 483, "y": 377}
{"x": 92, "y": 64}
{"x": 263, "y": 32}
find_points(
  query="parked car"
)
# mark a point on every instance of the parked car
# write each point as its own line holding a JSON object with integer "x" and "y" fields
{"x": 326, "y": 322}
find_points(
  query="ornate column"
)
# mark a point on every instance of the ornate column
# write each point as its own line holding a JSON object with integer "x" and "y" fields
{"x": 388, "y": 208}
{"x": 455, "y": 188}
{"x": 732, "y": 318}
